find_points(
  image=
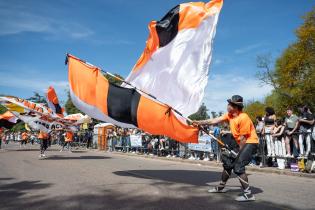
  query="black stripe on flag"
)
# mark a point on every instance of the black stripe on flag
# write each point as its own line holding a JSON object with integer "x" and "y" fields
{"x": 6, "y": 124}
{"x": 58, "y": 108}
{"x": 167, "y": 27}
{"x": 122, "y": 104}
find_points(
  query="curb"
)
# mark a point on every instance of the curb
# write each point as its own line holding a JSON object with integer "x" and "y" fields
{"x": 286, "y": 172}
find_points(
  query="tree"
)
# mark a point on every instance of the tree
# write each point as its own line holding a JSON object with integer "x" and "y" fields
{"x": 114, "y": 80}
{"x": 214, "y": 114}
{"x": 69, "y": 106}
{"x": 20, "y": 126}
{"x": 201, "y": 114}
{"x": 220, "y": 113}
{"x": 2, "y": 109}
{"x": 37, "y": 98}
{"x": 295, "y": 69}
{"x": 254, "y": 109}
{"x": 293, "y": 77}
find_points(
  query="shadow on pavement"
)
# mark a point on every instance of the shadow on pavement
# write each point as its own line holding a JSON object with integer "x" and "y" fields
{"x": 4, "y": 178}
{"x": 14, "y": 196}
{"x": 23, "y": 185}
{"x": 57, "y": 157}
{"x": 79, "y": 151}
{"x": 23, "y": 150}
{"x": 29, "y": 150}
{"x": 191, "y": 177}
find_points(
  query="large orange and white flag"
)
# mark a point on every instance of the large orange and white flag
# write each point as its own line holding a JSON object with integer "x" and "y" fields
{"x": 94, "y": 95}
{"x": 174, "y": 65}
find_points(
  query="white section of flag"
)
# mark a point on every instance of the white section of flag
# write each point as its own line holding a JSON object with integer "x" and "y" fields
{"x": 177, "y": 74}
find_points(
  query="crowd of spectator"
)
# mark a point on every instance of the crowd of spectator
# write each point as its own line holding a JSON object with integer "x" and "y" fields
{"x": 290, "y": 138}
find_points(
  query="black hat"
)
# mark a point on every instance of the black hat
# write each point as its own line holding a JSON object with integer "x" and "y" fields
{"x": 236, "y": 100}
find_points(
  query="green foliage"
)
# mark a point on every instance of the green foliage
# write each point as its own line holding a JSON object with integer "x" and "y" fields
{"x": 37, "y": 98}
{"x": 18, "y": 127}
{"x": 214, "y": 114}
{"x": 201, "y": 114}
{"x": 293, "y": 77}
{"x": 114, "y": 80}
{"x": 2, "y": 109}
{"x": 295, "y": 69}
{"x": 69, "y": 107}
{"x": 254, "y": 109}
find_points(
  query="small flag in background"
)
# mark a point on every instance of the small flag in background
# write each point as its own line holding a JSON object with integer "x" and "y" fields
{"x": 53, "y": 102}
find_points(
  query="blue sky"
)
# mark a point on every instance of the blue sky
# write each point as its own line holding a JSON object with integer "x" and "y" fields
{"x": 36, "y": 35}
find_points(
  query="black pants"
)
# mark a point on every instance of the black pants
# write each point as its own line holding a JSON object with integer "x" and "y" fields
{"x": 88, "y": 144}
{"x": 243, "y": 158}
{"x": 66, "y": 143}
{"x": 43, "y": 145}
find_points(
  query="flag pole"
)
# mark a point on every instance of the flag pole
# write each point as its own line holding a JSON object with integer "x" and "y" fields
{"x": 155, "y": 98}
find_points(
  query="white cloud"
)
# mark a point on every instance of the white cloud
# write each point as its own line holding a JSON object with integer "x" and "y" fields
{"x": 112, "y": 41}
{"x": 15, "y": 20}
{"x": 33, "y": 84}
{"x": 223, "y": 86}
{"x": 217, "y": 61}
{"x": 248, "y": 48}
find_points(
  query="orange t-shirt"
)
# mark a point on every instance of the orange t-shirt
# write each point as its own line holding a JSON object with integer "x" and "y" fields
{"x": 242, "y": 125}
{"x": 1, "y": 133}
{"x": 42, "y": 135}
{"x": 69, "y": 136}
{"x": 24, "y": 136}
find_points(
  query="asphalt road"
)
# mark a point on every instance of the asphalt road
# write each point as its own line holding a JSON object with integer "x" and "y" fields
{"x": 99, "y": 180}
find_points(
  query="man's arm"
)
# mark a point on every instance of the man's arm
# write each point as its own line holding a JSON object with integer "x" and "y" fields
{"x": 280, "y": 133}
{"x": 242, "y": 141}
{"x": 311, "y": 122}
{"x": 210, "y": 121}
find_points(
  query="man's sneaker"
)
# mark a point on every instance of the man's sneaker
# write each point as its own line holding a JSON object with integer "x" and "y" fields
{"x": 245, "y": 197}
{"x": 217, "y": 190}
